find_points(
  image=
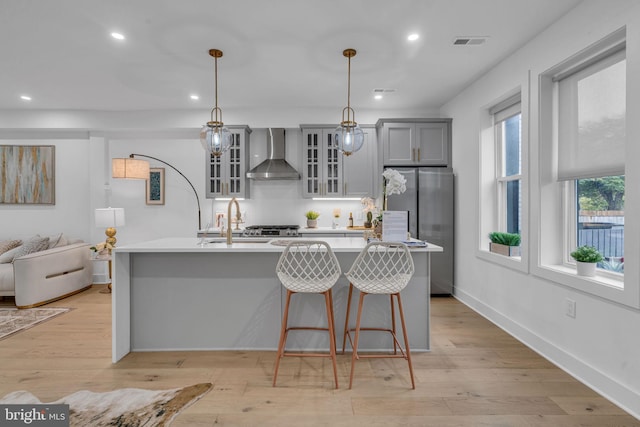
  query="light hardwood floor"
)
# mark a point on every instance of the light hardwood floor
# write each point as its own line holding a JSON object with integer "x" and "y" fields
{"x": 475, "y": 375}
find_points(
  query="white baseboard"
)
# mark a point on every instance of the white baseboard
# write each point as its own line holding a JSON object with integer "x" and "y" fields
{"x": 617, "y": 393}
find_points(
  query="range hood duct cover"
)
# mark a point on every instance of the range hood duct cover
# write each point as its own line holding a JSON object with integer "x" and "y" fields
{"x": 275, "y": 166}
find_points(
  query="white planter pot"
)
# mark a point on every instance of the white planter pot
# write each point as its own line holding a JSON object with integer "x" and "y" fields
{"x": 587, "y": 269}
{"x": 312, "y": 223}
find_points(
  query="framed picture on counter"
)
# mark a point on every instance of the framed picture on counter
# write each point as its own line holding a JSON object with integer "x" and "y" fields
{"x": 155, "y": 186}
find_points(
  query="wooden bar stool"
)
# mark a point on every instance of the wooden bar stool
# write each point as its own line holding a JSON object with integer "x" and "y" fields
{"x": 380, "y": 268}
{"x": 308, "y": 266}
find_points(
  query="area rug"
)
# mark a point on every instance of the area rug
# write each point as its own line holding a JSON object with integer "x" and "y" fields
{"x": 14, "y": 320}
{"x": 124, "y": 407}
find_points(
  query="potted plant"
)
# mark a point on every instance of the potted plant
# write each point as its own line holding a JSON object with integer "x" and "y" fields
{"x": 507, "y": 244}
{"x": 312, "y": 219}
{"x": 586, "y": 259}
{"x": 369, "y": 221}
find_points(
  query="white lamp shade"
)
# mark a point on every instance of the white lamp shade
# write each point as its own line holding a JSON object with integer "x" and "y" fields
{"x": 109, "y": 217}
{"x": 130, "y": 168}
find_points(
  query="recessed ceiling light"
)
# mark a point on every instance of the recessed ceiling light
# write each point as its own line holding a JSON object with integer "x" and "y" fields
{"x": 377, "y": 97}
{"x": 194, "y": 97}
{"x": 117, "y": 36}
{"x": 25, "y": 97}
{"x": 413, "y": 37}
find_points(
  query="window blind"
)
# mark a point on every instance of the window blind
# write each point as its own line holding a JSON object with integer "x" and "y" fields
{"x": 591, "y": 118}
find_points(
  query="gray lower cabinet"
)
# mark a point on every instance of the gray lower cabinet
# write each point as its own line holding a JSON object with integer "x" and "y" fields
{"x": 226, "y": 174}
{"x": 415, "y": 142}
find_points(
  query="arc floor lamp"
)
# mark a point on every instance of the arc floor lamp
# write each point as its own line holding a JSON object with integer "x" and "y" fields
{"x": 132, "y": 168}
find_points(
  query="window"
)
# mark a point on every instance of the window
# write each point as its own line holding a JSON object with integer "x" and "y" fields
{"x": 503, "y": 175}
{"x": 508, "y": 130}
{"x": 591, "y": 138}
{"x": 583, "y": 162}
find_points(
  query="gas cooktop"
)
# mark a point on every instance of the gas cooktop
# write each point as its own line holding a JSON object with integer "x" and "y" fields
{"x": 271, "y": 230}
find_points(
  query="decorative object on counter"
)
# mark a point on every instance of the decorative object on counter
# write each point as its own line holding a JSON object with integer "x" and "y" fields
{"x": 348, "y": 136}
{"x": 336, "y": 217}
{"x": 350, "y": 219}
{"x": 155, "y": 187}
{"x": 135, "y": 169}
{"x": 393, "y": 182}
{"x": 27, "y": 174}
{"x": 214, "y": 137}
{"x": 507, "y": 244}
{"x": 587, "y": 258}
{"x": 312, "y": 219}
{"x": 368, "y": 207}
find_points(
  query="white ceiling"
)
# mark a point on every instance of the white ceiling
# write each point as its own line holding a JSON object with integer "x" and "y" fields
{"x": 277, "y": 53}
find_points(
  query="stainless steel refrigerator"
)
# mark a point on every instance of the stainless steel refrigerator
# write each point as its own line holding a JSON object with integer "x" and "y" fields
{"x": 429, "y": 200}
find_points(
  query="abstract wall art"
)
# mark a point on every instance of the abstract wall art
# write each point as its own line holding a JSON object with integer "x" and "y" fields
{"x": 27, "y": 174}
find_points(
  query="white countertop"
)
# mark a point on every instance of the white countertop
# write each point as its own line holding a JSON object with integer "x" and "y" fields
{"x": 330, "y": 230}
{"x": 239, "y": 245}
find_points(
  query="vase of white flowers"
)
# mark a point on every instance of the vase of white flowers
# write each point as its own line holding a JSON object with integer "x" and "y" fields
{"x": 393, "y": 182}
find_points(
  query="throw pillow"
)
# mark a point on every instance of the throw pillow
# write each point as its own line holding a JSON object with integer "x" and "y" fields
{"x": 5, "y": 245}
{"x": 34, "y": 244}
{"x": 56, "y": 241}
{"x": 7, "y": 257}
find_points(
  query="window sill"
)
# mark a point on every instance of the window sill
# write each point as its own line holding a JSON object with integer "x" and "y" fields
{"x": 605, "y": 287}
{"x": 513, "y": 262}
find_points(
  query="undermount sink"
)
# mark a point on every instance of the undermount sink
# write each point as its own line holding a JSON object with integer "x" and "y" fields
{"x": 238, "y": 240}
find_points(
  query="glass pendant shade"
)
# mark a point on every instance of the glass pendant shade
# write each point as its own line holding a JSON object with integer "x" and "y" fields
{"x": 215, "y": 139}
{"x": 348, "y": 139}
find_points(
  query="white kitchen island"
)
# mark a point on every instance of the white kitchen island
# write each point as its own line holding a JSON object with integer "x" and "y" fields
{"x": 180, "y": 294}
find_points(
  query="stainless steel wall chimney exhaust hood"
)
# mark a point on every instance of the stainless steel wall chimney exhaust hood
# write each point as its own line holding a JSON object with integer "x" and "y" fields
{"x": 275, "y": 166}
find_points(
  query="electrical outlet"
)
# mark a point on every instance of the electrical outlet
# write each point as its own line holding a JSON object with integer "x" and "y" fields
{"x": 570, "y": 307}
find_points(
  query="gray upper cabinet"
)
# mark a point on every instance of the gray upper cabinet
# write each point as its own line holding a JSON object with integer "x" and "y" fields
{"x": 226, "y": 175}
{"x": 415, "y": 142}
{"x": 328, "y": 173}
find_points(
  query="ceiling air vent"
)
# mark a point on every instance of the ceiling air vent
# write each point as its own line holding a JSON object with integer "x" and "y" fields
{"x": 469, "y": 41}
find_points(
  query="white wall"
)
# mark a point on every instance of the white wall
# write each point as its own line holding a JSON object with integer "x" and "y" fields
{"x": 71, "y": 212}
{"x": 600, "y": 346}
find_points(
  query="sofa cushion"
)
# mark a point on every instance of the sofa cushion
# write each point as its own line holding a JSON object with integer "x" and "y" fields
{"x": 34, "y": 244}
{"x": 7, "y": 257}
{"x": 6, "y": 245}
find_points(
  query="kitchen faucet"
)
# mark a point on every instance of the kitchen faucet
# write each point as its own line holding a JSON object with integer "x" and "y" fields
{"x": 238, "y": 218}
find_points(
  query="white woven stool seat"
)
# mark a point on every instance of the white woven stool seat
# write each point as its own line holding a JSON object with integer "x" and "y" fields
{"x": 308, "y": 266}
{"x": 382, "y": 268}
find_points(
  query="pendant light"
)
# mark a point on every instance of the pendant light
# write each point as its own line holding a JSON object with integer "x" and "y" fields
{"x": 348, "y": 137}
{"x": 215, "y": 138}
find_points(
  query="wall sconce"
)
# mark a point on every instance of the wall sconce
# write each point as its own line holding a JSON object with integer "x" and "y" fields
{"x": 134, "y": 169}
{"x": 348, "y": 136}
{"x": 215, "y": 138}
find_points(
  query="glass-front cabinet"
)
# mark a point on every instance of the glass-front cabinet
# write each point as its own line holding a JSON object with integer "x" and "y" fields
{"x": 226, "y": 174}
{"x": 328, "y": 173}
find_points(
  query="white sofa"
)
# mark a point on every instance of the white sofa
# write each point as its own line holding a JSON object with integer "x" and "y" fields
{"x": 47, "y": 275}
